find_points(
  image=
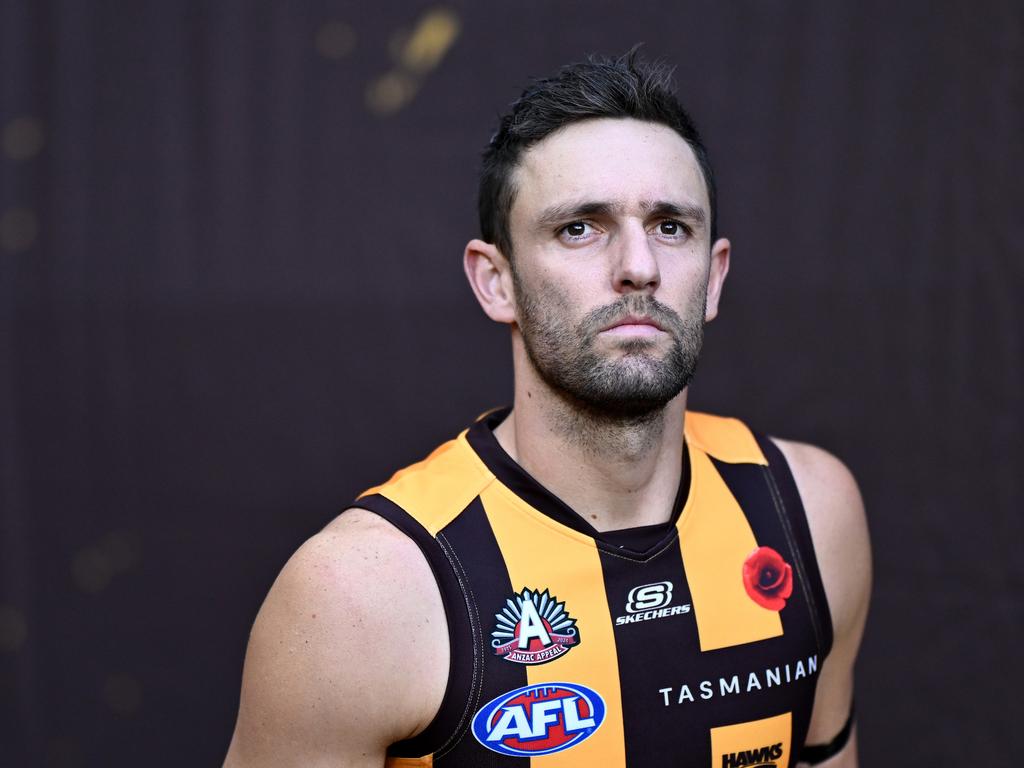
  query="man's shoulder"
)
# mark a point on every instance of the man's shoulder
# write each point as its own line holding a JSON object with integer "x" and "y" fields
{"x": 830, "y": 497}
{"x": 838, "y": 524}
{"x": 819, "y": 470}
{"x": 339, "y": 565}
{"x": 328, "y": 652}
{"x": 359, "y": 574}
{"x": 828, "y": 490}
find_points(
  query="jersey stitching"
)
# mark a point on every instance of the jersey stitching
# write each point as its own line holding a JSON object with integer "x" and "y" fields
{"x": 477, "y": 643}
{"x": 646, "y": 559}
{"x": 780, "y": 509}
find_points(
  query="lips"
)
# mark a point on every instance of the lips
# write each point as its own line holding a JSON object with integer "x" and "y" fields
{"x": 634, "y": 320}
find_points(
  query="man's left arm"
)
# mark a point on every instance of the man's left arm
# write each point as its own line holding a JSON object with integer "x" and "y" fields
{"x": 835, "y": 514}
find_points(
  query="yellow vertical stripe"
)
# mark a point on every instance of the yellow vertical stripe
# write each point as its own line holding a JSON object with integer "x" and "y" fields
{"x": 539, "y": 556}
{"x": 749, "y": 743}
{"x": 409, "y": 762}
{"x": 716, "y": 539}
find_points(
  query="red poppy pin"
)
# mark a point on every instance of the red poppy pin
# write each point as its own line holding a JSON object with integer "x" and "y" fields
{"x": 768, "y": 578}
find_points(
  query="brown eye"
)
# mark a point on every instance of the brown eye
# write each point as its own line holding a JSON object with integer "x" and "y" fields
{"x": 671, "y": 228}
{"x": 576, "y": 229}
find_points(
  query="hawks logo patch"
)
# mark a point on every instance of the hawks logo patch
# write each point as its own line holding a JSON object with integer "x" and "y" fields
{"x": 533, "y": 628}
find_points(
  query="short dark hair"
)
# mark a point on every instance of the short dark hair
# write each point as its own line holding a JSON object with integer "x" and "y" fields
{"x": 600, "y": 86}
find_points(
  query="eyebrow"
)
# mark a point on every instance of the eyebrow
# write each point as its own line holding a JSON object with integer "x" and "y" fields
{"x": 564, "y": 212}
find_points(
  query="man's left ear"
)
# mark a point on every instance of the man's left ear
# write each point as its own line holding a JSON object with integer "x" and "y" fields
{"x": 716, "y": 276}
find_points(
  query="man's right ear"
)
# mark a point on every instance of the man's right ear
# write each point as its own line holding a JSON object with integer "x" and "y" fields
{"x": 490, "y": 277}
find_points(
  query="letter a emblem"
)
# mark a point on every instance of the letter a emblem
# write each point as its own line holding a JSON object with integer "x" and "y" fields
{"x": 532, "y": 626}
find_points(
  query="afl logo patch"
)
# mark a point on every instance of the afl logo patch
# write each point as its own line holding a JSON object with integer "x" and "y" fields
{"x": 533, "y": 628}
{"x": 539, "y": 719}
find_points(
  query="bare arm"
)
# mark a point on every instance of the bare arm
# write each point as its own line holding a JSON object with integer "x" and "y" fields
{"x": 839, "y": 529}
{"x": 328, "y": 677}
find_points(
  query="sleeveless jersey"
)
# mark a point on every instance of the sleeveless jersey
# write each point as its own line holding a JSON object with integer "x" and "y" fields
{"x": 700, "y": 646}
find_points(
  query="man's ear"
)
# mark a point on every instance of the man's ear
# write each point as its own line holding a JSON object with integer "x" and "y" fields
{"x": 490, "y": 277}
{"x": 716, "y": 276}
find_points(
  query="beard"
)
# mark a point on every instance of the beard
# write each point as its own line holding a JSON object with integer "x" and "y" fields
{"x": 634, "y": 385}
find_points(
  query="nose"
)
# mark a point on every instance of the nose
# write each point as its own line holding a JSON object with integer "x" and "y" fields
{"x": 635, "y": 265}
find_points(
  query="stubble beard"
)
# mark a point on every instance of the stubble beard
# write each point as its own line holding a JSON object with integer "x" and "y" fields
{"x": 631, "y": 387}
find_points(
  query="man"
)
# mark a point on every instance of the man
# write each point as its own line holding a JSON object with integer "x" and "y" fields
{"x": 597, "y": 577}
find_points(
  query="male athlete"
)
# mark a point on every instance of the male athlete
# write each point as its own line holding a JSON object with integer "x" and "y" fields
{"x": 596, "y": 577}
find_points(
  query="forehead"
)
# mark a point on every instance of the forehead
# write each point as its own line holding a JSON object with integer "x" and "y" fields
{"x": 608, "y": 159}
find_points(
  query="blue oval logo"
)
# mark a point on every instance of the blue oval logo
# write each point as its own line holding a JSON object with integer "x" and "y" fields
{"x": 539, "y": 719}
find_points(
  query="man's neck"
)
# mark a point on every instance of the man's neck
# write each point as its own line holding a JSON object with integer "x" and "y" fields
{"x": 615, "y": 472}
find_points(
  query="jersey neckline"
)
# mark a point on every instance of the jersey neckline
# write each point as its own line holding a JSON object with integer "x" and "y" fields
{"x": 622, "y": 541}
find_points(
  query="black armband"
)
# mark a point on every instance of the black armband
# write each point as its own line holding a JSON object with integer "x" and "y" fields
{"x": 819, "y": 753}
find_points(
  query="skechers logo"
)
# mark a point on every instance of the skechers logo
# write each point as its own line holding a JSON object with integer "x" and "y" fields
{"x": 764, "y": 757}
{"x": 539, "y": 719}
{"x": 649, "y": 601}
{"x": 649, "y": 596}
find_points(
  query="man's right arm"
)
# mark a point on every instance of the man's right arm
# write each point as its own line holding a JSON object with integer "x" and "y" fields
{"x": 328, "y": 676}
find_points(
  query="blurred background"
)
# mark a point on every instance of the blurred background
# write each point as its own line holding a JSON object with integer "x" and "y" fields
{"x": 231, "y": 298}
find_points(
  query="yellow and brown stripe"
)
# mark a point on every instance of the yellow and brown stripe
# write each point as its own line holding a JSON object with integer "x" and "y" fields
{"x": 708, "y": 677}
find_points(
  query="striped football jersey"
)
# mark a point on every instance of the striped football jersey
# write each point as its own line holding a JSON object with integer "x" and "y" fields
{"x": 694, "y": 643}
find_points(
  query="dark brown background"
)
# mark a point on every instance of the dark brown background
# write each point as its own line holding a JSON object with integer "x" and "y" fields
{"x": 231, "y": 297}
